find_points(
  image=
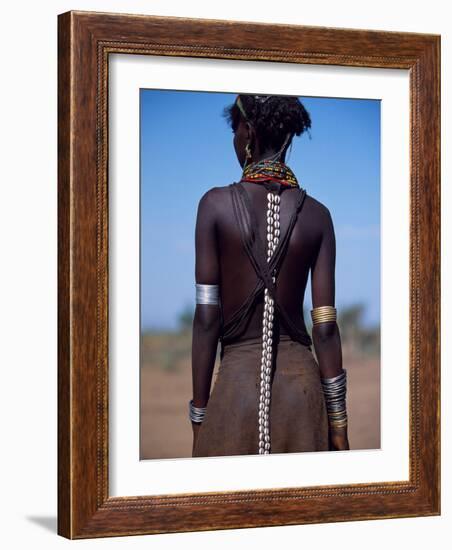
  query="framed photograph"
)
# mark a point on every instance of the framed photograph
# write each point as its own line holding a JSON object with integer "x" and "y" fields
{"x": 248, "y": 264}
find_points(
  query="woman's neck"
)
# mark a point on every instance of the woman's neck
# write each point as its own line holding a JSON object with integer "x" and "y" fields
{"x": 267, "y": 154}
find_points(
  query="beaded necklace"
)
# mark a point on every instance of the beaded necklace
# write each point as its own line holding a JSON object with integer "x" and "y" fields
{"x": 269, "y": 170}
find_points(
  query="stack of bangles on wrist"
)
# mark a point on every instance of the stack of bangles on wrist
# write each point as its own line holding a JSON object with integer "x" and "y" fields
{"x": 196, "y": 414}
{"x": 334, "y": 389}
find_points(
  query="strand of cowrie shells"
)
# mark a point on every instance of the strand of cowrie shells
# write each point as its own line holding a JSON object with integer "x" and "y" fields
{"x": 273, "y": 233}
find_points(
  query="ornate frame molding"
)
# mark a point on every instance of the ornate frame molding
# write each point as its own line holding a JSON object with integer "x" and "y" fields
{"x": 85, "y": 41}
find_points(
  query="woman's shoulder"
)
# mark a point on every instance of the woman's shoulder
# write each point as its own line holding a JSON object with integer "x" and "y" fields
{"x": 316, "y": 207}
{"x": 212, "y": 201}
{"x": 213, "y": 194}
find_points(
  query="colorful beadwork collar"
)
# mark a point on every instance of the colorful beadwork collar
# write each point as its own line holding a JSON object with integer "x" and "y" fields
{"x": 266, "y": 170}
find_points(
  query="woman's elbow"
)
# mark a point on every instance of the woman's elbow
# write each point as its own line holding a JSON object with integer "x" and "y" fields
{"x": 325, "y": 332}
{"x": 207, "y": 318}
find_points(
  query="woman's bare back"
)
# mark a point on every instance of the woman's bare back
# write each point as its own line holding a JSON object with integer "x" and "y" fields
{"x": 237, "y": 275}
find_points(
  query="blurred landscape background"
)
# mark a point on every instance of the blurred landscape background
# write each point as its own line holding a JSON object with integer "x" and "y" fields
{"x": 186, "y": 148}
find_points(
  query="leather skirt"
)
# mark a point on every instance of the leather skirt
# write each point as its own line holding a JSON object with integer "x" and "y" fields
{"x": 298, "y": 416}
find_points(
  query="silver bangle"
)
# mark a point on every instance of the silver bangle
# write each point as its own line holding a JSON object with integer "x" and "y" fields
{"x": 207, "y": 294}
{"x": 335, "y": 390}
{"x": 196, "y": 414}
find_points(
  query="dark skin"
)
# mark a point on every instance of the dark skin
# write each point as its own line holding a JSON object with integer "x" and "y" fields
{"x": 220, "y": 258}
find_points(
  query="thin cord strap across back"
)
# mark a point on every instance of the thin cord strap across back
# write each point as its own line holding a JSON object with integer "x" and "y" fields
{"x": 248, "y": 226}
{"x": 268, "y": 268}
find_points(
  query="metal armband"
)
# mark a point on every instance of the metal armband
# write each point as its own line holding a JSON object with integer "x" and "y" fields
{"x": 323, "y": 314}
{"x": 207, "y": 294}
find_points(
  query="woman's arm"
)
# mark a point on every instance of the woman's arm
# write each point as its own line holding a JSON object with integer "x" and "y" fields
{"x": 207, "y": 319}
{"x": 325, "y": 336}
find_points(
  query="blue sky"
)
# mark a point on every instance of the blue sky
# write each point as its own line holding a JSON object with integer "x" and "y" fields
{"x": 186, "y": 149}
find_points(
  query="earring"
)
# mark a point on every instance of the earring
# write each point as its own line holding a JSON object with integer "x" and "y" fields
{"x": 248, "y": 151}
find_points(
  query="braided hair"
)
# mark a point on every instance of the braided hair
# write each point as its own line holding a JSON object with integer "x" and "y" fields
{"x": 272, "y": 117}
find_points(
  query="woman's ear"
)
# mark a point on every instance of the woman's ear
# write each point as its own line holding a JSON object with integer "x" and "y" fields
{"x": 249, "y": 131}
{"x": 250, "y": 135}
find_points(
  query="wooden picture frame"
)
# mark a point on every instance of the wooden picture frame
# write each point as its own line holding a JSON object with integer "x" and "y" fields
{"x": 85, "y": 41}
